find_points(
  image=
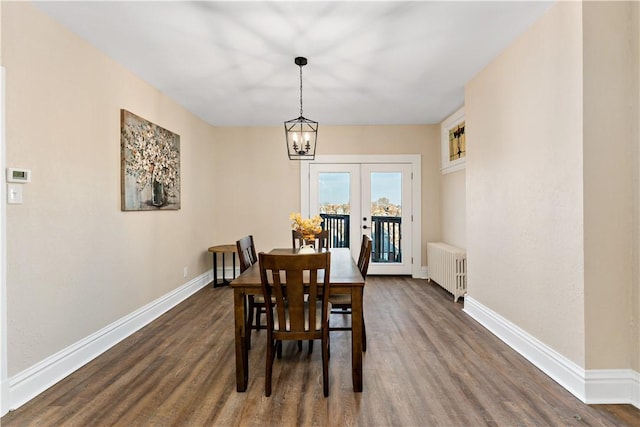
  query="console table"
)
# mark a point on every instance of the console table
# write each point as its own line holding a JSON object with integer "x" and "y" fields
{"x": 222, "y": 249}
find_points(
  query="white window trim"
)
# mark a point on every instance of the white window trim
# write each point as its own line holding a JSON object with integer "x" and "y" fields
{"x": 448, "y": 166}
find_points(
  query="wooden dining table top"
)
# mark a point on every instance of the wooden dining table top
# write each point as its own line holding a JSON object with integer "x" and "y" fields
{"x": 344, "y": 270}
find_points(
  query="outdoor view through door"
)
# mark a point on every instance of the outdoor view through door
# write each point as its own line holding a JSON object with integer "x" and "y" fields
{"x": 335, "y": 207}
{"x": 386, "y": 216}
{"x": 371, "y": 199}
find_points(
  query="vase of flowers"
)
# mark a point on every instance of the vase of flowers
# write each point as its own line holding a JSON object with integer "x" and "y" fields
{"x": 308, "y": 227}
{"x": 158, "y": 196}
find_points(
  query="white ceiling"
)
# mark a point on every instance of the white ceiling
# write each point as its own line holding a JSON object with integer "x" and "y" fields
{"x": 232, "y": 63}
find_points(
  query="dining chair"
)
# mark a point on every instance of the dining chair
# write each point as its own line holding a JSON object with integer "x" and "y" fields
{"x": 322, "y": 240}
{"x": 256, "y": 308}
{"x": 341, "y": 304}
{"x": 301, "y": 309}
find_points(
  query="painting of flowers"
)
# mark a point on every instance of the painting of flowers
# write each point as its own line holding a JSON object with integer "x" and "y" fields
{"x": 150, "y": 157}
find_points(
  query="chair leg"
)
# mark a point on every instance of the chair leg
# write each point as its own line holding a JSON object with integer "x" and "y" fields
{"x": 310, "y": 346}
{"x": 299, "y": 345}
{"x": 364, "y": 336}
{"x": 271, "y": 347}
{"x": 325, "y": 366}
{"x": 279, "y": 349}
{"x": 250, "y": 313}
{"x": 258, "y": 310}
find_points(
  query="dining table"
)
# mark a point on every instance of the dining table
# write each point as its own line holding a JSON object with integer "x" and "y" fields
{"x": 345, "y": 278}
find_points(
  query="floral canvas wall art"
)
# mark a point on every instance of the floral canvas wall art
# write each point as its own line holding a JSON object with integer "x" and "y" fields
{"x": 150, "y": 157}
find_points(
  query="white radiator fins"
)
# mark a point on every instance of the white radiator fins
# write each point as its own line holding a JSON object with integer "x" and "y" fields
{"x": 448, "y": 267}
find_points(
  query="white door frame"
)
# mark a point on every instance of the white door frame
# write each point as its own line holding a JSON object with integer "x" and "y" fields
{"x": 404, "y": 266}
{"x": 416, "y": 168}
{"x": 4, "y": 382}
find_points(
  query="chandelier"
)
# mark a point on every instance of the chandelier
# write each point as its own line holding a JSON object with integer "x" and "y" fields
{"x": 301, "y": 133}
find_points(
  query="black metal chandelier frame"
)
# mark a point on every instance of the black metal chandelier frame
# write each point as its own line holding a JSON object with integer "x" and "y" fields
{"x": 301, "y": 133}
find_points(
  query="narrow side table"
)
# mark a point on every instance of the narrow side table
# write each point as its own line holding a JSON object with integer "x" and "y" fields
{"x": 222, "y": 249}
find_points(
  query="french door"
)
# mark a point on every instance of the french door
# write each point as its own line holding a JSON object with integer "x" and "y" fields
{"x": 366, "y": 198}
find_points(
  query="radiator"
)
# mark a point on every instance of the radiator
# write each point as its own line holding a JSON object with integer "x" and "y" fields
{"x": 448, "y": 267}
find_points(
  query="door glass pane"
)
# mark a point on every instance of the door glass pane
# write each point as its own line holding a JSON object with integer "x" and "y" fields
{"x": 386, "y": 216}
{"x": 334, "y": 206}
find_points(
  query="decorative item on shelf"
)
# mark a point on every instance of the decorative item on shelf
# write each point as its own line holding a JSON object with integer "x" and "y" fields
{"x": 301, "y": 133}
{"x": 308, "y": 227}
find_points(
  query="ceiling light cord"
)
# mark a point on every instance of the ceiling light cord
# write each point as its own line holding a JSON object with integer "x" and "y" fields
{"x": 300, "y": 90}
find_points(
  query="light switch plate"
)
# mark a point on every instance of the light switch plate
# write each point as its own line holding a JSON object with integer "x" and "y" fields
{"x": 14, "y": 194}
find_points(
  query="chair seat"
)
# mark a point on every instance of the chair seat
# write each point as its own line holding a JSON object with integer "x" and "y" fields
{"x": 259, "y": 299}
{"x": 340, "y": 299}
{"x": 276, "y": 324}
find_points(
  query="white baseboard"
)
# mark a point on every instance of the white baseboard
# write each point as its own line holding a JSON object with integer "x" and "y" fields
{"x": 601, "y": 386}
{"x": 612, "y": 386}
{"x": 424, "y": 273}
{"x": 34, "y": 380}
{"x": 4, "y": 397}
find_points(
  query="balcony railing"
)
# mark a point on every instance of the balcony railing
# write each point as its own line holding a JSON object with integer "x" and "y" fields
{"x": 338, "y": 226}
{"x": 386, "y": 233}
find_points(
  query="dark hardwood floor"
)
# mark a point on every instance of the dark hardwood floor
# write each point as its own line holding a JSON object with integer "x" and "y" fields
{"x": 427, "y": 364}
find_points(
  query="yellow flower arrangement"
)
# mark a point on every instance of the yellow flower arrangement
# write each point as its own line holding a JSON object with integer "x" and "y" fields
{"x": 308, "y": 227}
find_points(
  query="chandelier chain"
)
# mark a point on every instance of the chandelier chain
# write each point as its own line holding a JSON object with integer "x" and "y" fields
{"x": 300, "y": 90}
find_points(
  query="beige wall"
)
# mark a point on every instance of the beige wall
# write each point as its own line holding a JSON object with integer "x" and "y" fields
{"x": 76, "y": 262}
{"x": 257, "y": 186}
{"x": 524, "y": 183}
{"x": 608, "y": 183}
{"x": 454, "y": 209}
{"x": 253, "y": 161}
{"x": 635, "y": 136}
{"x": 551, "y": 225}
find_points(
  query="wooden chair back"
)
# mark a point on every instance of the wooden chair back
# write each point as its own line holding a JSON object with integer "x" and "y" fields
{"x": 365, "y": 255}
{"x": 297, "y": 283}
{"x": 246, "y": 252}
{"x": 322, "y": 240}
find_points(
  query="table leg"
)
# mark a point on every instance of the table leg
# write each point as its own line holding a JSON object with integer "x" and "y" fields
{"x": 242, "y": 356}
{"x": 234, "y": 264}
{"x": 356, "y": 338}
{"x": 224, "y": 279}
{"x": 215, "y": 270}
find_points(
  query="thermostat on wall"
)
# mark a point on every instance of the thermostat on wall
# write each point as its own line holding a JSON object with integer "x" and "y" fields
{"x": 18, "y": 175}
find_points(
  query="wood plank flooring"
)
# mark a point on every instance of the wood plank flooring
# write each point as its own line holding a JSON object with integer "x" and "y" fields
{"x": 427, "y": 364}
